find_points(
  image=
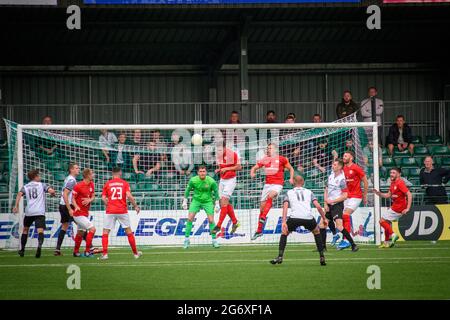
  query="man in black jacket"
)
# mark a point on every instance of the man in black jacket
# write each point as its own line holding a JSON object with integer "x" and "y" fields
{"x": 433, "y": 178}
{"x": 400, "y": 135}
{"x": 347, "y": 106}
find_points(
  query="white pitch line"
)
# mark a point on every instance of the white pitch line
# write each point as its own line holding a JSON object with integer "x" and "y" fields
{"x": 212, "y": 262}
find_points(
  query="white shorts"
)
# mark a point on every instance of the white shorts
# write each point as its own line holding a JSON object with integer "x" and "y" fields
{"x": 83, "y": 223}
{"x": 391, "y": 215}
{"x": 226, "y": 187}
{"x": 269, "y": 188}
{"x": 352, "y": 203}
{"x": 110, "y": 220}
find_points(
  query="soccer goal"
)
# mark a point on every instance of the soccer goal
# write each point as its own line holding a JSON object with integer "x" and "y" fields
{"x": 159, "y": 160}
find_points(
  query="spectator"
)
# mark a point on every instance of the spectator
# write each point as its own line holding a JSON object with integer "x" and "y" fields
{"x": 120, "y": 157}
{"x": 323, "y": 158}
{"x": 181, "y": 156}
{"x": 107, "y": 140}
{"x": 368, "y": 154}
{"x": 347, "y": 106}
{"x": 161, "y": 145}
{"x": 234, "y": 118}
{"x": 44, "y": 146}
{"x": 148, "y": 161}
{"x": 292, "y": 116}
{"x": 137, "y": 138}
{"x": 432, "y": 179}
{"x": 372, "y": 109}
{"x": 317, "y": 118}
{"x": 291, "y": 149}
{"x": 271, "y": 117}
{"x": 400, "y": 135}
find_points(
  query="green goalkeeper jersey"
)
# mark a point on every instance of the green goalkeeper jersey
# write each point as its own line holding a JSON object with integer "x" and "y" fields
{"x": 204, "y": 190}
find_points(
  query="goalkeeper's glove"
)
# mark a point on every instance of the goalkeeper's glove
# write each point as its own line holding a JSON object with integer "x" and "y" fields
{"x": 217, "y": 206}
{"x": 184, "y": 204}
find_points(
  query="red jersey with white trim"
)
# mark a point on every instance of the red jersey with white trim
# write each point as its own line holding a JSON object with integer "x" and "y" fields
{"x": 229, "y": 159}
{"x": 353, "y": 176}
{"x": 398, "y": 191}
{"x": 274, "y": 168}
{"x": 116, "y": 191}
{"x": 81, "y": 191}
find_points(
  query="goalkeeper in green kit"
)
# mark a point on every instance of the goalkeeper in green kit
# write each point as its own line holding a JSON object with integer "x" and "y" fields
{"x": 205, "y": 194}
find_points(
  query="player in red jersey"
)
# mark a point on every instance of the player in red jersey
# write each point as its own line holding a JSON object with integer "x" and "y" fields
{"x": 354, "y": 174}
{"x": 401, "y": 204}
{"x": 274, "y": 166}
{"x": 82, "y": 196}
{"x": 115, "y": 194}
{"x": 228, "y": 162}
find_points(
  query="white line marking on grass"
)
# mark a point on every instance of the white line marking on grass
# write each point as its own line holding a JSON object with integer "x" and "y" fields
{"x": 221, "y": 262}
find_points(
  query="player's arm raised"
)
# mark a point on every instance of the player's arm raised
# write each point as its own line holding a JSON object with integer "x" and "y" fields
{"x": 133, "y": 202}
{"x": 18, "y": 197}
{"x": 291, "y": 172}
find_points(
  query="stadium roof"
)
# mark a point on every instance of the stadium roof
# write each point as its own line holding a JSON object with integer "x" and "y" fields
{"x": 209, "y": 37}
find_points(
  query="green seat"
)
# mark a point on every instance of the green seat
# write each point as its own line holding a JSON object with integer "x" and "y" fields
{"x": 439, "y": 150}
{"x": 414, "y": 181}
{"x": 445, "y": 162}
{"x": 412, "y": 172}
{"x": 388, "y": 162}
{"x": 127, "y": 176}
{"x": 3, "y": 179}
{"x": 401, "y": 154}
{"x": 60, "y": 176}
{"x": 406, "y": 162}
{"x": 416, "y": 140}
{"x": 384, "y": 152}
{"x": 433, "y": 140}
{"x": 133, "y": 186}
{"x": 55, "y": 166}
{"x": 421, "y": 150}
{"x": 4, "y": 188}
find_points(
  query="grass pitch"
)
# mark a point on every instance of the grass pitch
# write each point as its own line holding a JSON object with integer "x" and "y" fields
{"x": 414, "y": 270}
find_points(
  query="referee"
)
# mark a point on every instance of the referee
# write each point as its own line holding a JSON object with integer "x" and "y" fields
{"x": 298, "y": 201}
{"x": 433, "y": 179}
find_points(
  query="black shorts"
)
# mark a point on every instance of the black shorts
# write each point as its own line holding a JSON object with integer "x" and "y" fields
{"x": 39, "y": 221}
{"x": 336, "y": 210}
{"x": 65, "y": 216}
{"x": 294, "y": 223}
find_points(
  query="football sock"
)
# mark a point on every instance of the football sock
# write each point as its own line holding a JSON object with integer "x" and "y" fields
{"x": 387, "y": 229}
{"x": 223, "y": 214}
{"x": 323, "y": 235}
{"x": 132, "y": 242}
{"x": 40, "y": 239}
{"x": 78, "y": 239}
{"x": 263, "y": 215}
{"x": 187, "y": 231}
{"x": 346, "y": 223}
{"x": 319, "y": 243}
{"x": 89, "y": 237}
{"x": 61, "y": 235}
{"x": 23, "y": 240}
{"x": 282, "y": 245}
{"x": 231, "y": 214}
{"x": 211, "y": 227}
{"x": 347, "y": 236}
{"x": 332, "y": 227}
{"x": 105, "y": 243}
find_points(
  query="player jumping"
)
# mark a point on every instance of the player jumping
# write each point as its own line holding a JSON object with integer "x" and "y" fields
{"x": 115, "y": 194}
{"x": 354, "y": 174}
{"x": 205, "y": 193}
{"x": 82, "y": 196}
{"x": 228, "y": 162}
{"x": 34, "y": 191}
{"x": 274, "y": 166}
{"x": 298, "y": 201}
{"x": 334, "y": 196}
{"x": 398, "y": 192}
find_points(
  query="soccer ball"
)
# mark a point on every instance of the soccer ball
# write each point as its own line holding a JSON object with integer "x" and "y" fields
{"x": 197, "y": 139}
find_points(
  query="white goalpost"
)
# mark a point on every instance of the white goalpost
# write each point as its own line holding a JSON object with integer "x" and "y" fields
{"x": 148, "y": 157}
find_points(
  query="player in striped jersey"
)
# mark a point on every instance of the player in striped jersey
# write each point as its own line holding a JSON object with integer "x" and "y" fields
{"x": 334, "y": 196}
{"x": 34, "y": 192}
{"x": 65, "y": 207}
{"x": 298, "y": 203}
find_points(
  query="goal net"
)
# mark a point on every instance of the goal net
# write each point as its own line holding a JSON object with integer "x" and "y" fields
{"x": 158, "y": 162}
